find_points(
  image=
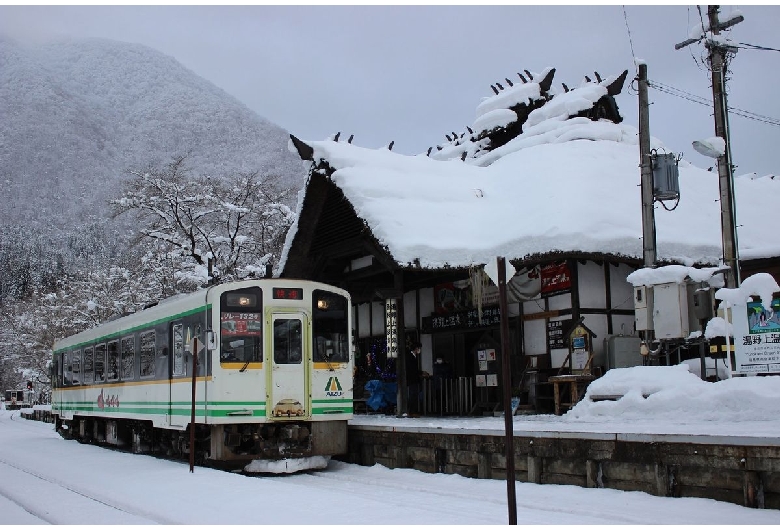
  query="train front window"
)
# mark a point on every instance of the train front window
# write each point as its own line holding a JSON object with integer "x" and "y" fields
{"x": 330, "y": 326}
{"x": 288, "y": 341}
{"x": 241, "y": 326}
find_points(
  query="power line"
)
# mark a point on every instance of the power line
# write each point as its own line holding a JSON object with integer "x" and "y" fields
{"x": 754, "y": 47}
{"x": 667, "y": 89}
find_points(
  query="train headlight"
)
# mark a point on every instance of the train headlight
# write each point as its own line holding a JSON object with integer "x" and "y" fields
{"x": 322, "y": 304}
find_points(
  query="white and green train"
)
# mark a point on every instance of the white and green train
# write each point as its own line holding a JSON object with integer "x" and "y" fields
{"x": 272, "y": 378}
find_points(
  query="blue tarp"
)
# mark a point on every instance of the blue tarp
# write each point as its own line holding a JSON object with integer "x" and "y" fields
{"x": 382, "y": 394}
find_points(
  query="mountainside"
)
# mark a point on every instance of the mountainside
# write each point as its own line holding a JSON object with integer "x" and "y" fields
{"x": 76, "y": 115}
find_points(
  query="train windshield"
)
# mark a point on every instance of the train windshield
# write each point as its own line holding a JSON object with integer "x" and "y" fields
{"x": 330, "y": 326}
{"x": 241, "y": 326}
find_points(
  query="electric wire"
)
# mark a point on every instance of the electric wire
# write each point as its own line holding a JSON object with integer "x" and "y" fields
{"x": 667, "y": 89}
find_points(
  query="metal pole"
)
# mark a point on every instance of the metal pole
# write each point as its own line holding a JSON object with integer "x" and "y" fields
{"x": 507, "y": 384}
{"x": 192, "y": 416}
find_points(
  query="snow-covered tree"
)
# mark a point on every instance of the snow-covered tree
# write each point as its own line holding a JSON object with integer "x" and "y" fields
{"x": 221, "y": 229}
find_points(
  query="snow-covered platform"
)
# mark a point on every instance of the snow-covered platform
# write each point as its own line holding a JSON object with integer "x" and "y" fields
{"x": 686, "y": 438}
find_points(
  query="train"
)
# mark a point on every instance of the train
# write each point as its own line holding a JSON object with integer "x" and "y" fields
{"x": 17, "y": 399}
{"x": 264, "y": 366}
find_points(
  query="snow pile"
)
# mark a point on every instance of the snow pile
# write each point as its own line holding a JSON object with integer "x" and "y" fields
{"x": 288, "y": 465}
{"x": 675, "y": 394}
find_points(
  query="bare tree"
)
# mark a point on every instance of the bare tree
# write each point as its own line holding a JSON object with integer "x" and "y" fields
{"x": 221, "y": 228}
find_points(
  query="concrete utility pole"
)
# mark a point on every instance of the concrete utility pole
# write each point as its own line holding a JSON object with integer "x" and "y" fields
{"x": 645, "y": 163}
{"x": 648, "y": 213}
{"x": 718, "y": 67}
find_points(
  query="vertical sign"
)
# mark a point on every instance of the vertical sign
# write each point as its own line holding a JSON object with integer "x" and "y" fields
{"x": 757, "y": 338}
{"x": 391, "y": 327}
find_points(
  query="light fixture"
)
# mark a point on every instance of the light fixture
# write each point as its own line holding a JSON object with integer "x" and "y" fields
{"x": 714, "y": 147}
{"x": 322, "y": 304}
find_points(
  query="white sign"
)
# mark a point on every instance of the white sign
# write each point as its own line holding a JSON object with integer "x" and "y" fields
{"x": 757, "y": 338}
{"x": 391, "y": 327}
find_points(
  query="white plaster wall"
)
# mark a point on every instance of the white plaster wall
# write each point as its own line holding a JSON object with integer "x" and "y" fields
{"x": 410, "y": 310}
{"x": 534, "y": 337}
{"x": 622, "y": 291}
{"x": 598, "y": 325}
{"x": 426, "y": 301}
{"x": 623, "y": 324}
{"x": 365, "y": 323}
{"x": 560, "y": 301}
{"x": 592, "y": 289}
{"x": 378, "y": 322}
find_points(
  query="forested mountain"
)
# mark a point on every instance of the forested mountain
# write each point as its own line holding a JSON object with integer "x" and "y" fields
{"x": 85, "y": 122}
{"x": 76, "y": 115}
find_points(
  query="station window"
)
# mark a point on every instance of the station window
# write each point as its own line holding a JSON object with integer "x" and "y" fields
{"x": 100, "y": 362}
{"x": 128, "y": 358}
{"x": 147, "y": 354}
{"x": 112, "y": 361}
{"x": 330, "y": 326}
{"x": 89, "y": 365}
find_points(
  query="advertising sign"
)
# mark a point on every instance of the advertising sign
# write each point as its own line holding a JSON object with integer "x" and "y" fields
{"x": 556, "y": 278}
{"x": 757, "y": 338}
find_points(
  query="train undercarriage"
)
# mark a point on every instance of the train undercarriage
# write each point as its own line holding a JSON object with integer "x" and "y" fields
{"x": 229, "y": 446}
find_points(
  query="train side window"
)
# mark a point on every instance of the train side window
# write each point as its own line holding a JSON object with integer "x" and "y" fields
{"x": 148, "y": 350}
{"x": 330, "y": 326}
{"x": 88, "y": 366}
{"x": 100, "y": 362}
{"x": 76, "y": 363}
{"x": 112, "y": 361}
{"x": 66, "y": 368}
{"x": 178, "y": 350}
{"x": 288, "y": 341}
{"x": 128, "y": 358}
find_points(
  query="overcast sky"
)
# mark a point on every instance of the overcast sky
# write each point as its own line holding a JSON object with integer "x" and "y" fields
{"x": 412, "y": 74}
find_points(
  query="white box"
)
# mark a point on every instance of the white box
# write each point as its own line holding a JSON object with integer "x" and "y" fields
{"x": 670, "y": 311}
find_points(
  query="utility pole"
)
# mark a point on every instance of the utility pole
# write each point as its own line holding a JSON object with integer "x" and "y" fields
{"x": 717, "y": 58}
{"x": 648, "y": 213}
{"x": 645, "y": 163}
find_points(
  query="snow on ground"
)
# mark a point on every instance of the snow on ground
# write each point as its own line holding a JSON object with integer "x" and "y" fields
{"x": 48, "y": 480}
{"x": 678, "y": 402}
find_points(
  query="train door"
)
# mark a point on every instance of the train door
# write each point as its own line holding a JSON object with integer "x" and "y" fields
{"x": 289, "y": 357}
{"x": 177, "y": 410}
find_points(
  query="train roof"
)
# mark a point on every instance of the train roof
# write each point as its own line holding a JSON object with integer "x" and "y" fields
{"x": 180, "y": 304}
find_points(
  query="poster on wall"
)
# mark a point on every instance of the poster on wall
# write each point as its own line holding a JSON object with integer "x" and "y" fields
{"x": 556, "y": 278}
{"x": 757, "y": 338}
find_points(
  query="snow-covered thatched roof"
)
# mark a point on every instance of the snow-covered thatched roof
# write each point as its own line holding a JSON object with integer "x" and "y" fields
{"x": 567, "y": 184}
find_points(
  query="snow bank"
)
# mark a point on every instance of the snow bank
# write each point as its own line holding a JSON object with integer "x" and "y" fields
{"x": 674, "y": 393}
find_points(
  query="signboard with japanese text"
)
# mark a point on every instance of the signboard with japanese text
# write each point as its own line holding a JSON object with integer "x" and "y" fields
{"x": 391, "y": 327}
{"x": 556, "y": 278}
{"x": 555, "y": 330}
{"x": 491, "y": 316}
{"x": 250, "y": 324}
{"x": 757, "y": 338}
